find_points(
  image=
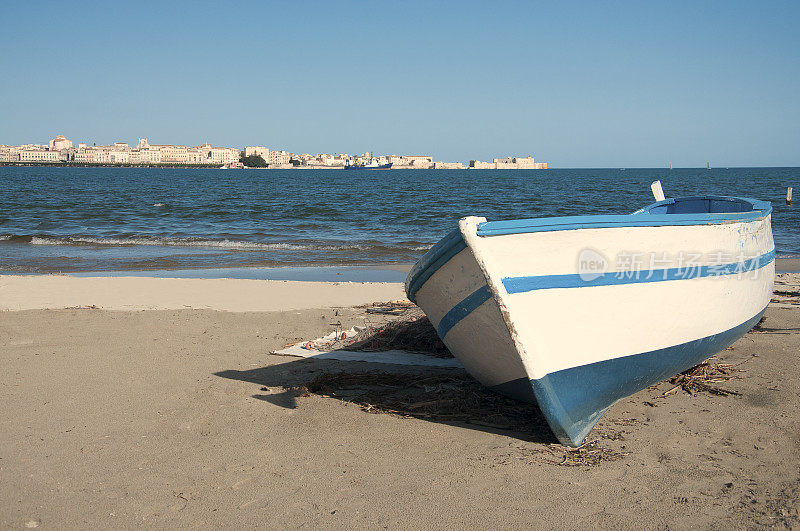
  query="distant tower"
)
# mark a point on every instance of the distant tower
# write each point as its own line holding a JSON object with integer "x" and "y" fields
{"x": 143, "y": 144}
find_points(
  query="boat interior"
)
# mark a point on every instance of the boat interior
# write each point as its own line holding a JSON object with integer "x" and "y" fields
{"x": 700, "y": 205}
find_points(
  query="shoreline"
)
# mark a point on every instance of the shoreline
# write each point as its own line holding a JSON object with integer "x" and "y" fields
{"x": 392, "y": 272}
{"x": 313, "y": 273}
{"x": 787, "y": 265}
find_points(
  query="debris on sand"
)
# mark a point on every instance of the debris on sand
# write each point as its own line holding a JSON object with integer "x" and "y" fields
{"x": 414, "y": 333}
{"x": 699, "y": 378}
{"x": 411, "y": 332}
{"x": 390, "y": 308}
{"x": 787, "y": 291}
{"x": 588, "y": 454}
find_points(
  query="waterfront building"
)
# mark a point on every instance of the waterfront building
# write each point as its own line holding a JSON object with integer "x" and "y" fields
{"x": 220, "y": 155}
{"x": 173, "y": 154}
{"x": 340, "y": 160}
{"x": 9, "y": 154}
{"x": 60, "y": 143}
{"x": 83, "y": 154}
{"x": 521, "y": 163}
{"x": 145, "y": 156}
{"x": 326, "y": 160}
{"x": 104, "y": 155}
{"x": 195, "y": 156}
{"x": 260, "y": 151}
{"x": 509, "y": 163}
{"x": 411, "y": 161}
{"x": 448, "y": 166}
{"x": 279, "y": 158}
{"x": 41, "y": 155}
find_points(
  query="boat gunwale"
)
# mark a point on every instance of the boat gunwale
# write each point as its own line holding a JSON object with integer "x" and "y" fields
{"x": 453, "y": 242}
{"x": 640, "y": 218}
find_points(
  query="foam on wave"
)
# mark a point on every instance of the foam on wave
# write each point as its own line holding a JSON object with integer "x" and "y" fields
{"x": 43, "y": 239}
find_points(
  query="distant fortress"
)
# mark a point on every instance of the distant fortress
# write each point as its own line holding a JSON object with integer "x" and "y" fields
{"x": 510, "y": 163}
{"x": 60, "y": 150}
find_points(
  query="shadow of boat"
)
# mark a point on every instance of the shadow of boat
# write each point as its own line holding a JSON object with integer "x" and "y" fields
{"x": 445, "y": 396}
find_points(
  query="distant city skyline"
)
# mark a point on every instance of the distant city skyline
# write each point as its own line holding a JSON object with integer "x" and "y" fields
{"x": 62, "y": 150}
{"x": 577, "y": 84}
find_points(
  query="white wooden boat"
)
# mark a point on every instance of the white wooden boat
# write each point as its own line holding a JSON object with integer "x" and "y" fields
{"x": 575, "y": 313}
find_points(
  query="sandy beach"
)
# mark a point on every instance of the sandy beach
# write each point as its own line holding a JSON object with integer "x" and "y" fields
{"x": 156, "y": 402}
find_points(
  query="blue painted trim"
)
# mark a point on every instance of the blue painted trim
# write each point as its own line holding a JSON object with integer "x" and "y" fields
{"x": 463, "y": 309}
{"x": 640, "y": 218}
{"x": 436, "y": 257}
{"x": 532, "y": 283}
{"x": 573, "y": 400}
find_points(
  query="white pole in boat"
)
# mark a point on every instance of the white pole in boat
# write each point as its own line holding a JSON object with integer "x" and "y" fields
{"x": 789, "y": 196}
{"x": 658, "y": 193}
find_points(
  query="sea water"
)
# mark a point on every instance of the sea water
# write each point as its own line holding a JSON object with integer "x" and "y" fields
{"x": 121, "y": 219}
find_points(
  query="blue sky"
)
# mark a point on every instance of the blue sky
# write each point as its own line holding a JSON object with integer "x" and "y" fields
{"x": 578, "y": 84}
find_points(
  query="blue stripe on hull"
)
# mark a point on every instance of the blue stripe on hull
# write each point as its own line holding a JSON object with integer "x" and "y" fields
{"x": 524, "y": 284}
{"x": 573, "y": 400}
{"x": 463, "y": 309}
{"x": 533, "y": 283}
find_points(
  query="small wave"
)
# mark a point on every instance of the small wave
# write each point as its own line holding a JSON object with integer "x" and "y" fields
{"x": 238, "y": 245}
{"x": 158, "y": 204}
{"x": 36, "y": 240}
{"x": 15, "y": 238}
{"x": 224, "y": 244}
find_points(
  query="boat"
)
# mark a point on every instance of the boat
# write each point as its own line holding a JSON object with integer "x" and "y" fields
{"x": 575, "y": 313}
{"x": 371, "y": 165}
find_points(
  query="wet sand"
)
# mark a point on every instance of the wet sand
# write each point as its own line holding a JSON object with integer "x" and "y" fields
{"x": 787, "y": 265}
{"x": 182, "y": 417}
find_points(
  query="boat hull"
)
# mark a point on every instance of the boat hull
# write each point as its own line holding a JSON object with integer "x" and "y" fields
{"x": 358, "y": 167}
{"x": 545, "y": 313}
